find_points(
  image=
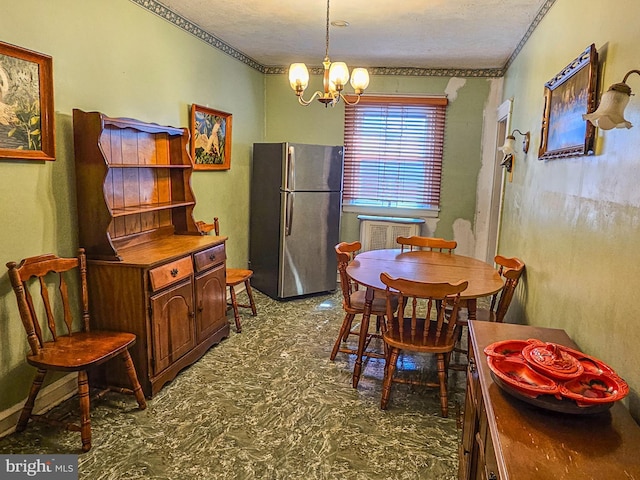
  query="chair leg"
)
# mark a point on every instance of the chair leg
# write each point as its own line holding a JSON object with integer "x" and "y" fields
{"x": 347, "y": 331}
{"x": 133, "y": 378}
{"x": 442, "y": 377}
{"x": 31, "y": 399}
{"x": 85, "y": 419}
{"x": 252, "y": 303}
{"x": 344, "y": 332}
{"x": 389, "y": 370}
{"x": 234, "y": 305}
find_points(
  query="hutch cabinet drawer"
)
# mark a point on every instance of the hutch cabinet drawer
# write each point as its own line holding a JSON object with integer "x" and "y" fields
{"x": 170, "y": 273}
{"x": 209, "y": 257}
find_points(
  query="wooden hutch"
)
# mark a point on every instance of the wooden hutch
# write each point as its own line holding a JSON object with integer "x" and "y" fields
{"x": 506, "y": 438}
{"x": 150, "y": 270}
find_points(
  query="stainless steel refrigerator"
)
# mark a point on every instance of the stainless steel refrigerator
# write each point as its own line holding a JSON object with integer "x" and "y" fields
{"x": 296, "y": 195}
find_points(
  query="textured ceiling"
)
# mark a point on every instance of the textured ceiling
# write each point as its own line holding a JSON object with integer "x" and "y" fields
{"x": 435, "y": 34}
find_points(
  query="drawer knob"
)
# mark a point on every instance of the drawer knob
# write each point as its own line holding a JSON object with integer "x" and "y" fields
{"x": 174, "y": 272}
{"x": 212, "y": 257}
{"x": 472, "y": 365}
{"x": 493, "y": 476}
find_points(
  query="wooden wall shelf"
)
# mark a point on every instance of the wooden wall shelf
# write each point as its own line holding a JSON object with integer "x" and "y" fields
{"x": 119, "y": 212}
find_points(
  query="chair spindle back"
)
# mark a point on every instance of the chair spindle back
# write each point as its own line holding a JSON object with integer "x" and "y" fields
{"x": 42, "y": 269}
{"x": 345, "y": 252}
{"x": 440, "y": 305}
{"x": 426, "y": 243}
{"x": 511, "y": 270}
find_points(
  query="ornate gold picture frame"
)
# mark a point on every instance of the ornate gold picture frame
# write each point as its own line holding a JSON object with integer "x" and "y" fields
{"x": 567, "y": 96}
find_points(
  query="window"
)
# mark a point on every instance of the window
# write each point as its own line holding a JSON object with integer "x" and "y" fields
{"x": 393, "y": 152}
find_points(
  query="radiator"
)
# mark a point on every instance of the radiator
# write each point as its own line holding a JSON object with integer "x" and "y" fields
{"x": 381, "y": 232}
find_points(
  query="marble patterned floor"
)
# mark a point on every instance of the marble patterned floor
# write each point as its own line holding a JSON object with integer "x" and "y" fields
{"x": 269, "y": 404}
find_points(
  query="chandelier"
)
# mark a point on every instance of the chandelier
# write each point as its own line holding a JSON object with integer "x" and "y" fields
{"x": 336, "y": 75}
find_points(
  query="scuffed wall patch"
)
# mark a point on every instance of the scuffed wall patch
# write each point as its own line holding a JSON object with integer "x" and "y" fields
{"x": 453, "y": 86}
{"x": 463, "y": 234}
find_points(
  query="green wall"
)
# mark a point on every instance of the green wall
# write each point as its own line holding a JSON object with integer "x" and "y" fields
{"x": 575, "y": 221}
{"x": 288, "y": 121}
{"x": 115, "y": 57}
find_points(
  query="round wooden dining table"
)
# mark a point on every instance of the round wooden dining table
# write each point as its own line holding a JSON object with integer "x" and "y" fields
{"x": 423, "y": 266}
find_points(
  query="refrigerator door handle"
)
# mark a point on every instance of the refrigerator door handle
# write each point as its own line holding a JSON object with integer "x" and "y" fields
{"x": 291, "y": 169}
{"x": 288, "y": 213}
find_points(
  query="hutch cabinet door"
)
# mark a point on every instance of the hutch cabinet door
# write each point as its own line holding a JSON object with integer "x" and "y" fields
{"x": 211, "y": 302}
{"x": 172, "y": 323}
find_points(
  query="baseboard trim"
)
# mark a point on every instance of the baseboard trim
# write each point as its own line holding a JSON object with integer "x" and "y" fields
{"x": 50, "y": 396}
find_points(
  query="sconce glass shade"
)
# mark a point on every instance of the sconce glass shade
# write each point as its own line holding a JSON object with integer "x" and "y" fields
{"x": 509, "y": 147}
{"x": 610, "y": 112}
{"x": 359, "y": 79}
{"x": 298, "y": 77}
{"x": 339, "y": 74}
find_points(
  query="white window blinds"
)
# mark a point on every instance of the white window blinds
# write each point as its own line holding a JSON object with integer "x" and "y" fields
{"x": 393, "y": 152}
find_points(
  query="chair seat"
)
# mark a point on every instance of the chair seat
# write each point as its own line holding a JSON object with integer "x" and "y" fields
{"x": 236, "y": 276}
{"x": 378, "y": 306}
{"x": 417, "y": 343}
{"x": 81, "y": 350}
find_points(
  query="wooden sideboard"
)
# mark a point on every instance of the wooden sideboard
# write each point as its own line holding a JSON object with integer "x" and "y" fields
{"x": 506, "y": 438}
{"x": 151, "y": 271}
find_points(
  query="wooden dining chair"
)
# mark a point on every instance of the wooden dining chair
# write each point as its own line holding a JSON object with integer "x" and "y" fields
{"x": 426, "y": 243}
{"x": 76, "y": 350}
{"x": 510, "y": 269}
{"x": 235, "y": 277}
{"x": 422, "y": 324}
{"x": 353, "y": 298}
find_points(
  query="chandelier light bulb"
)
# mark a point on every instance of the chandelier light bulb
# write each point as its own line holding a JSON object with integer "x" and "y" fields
{"x": 359, "y": 79}
{"x": 298, "y": 77}
{"x": 339, "y": 74}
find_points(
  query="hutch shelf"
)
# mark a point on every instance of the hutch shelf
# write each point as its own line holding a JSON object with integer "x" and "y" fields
{"x": 151, "y": 271}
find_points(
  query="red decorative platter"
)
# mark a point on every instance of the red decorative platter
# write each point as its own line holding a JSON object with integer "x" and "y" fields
{"x": 506, "y": 348}
{"x": 552, "y": 360}
{"x": 589, "y": 363}
{"x": 589, "y": 389}
{"x": 521, "y": 377}
{"x": 554, "y": 377}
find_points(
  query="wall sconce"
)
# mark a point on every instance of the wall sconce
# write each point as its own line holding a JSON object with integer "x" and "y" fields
{"x": 610, "y": 112}
{"x": 509, "y": 148}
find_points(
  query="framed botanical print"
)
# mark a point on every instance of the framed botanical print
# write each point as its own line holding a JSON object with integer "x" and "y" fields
{"x": 210, "y": 138}
{"x": 26, "y": 104}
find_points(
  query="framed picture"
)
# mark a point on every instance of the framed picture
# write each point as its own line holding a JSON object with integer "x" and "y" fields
{"x": 26, "y": 104}
{"x": 210, "y": 138}
{"x": 566, "y": 97}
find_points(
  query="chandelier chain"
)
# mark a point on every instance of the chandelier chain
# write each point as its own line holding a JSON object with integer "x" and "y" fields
{"x": 326, "y": 51}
